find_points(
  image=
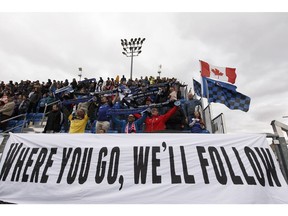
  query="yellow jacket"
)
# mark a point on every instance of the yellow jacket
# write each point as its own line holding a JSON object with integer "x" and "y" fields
{"x": 78, "y": 125}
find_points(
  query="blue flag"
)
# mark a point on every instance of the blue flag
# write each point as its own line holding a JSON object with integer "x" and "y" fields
{"x": 219, "y": 92}
{"x": 197, "y": 87}
{"x": 222, "y": 84}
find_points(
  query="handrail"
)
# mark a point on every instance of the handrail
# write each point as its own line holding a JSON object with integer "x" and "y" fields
{"x": 281, "y": 146}
{"x": 273, "y": 136}
{"x": 46, "y": 105}
{"x": 222, "y": 123}
{"x": 279, "y": 128}
{"x": 3, "y": 143}
{"x": 14, "y": 117}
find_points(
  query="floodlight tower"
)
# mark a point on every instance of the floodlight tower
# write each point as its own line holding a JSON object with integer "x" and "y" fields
{"x": 159, "y": 70}
{"x": 132, "y": 49}
{"x": 80, "y": 73}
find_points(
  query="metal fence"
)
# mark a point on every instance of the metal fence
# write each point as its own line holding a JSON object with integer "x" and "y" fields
{"x": 279, "y": 145}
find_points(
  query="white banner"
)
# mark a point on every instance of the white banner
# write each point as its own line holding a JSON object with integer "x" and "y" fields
{"x": 140, "y": 168}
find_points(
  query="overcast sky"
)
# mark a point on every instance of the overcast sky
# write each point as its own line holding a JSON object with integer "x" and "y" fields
{"x": 38, "y": 46}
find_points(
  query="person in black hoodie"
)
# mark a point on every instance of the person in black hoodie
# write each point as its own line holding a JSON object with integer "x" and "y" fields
{"x": 54, "y": 121}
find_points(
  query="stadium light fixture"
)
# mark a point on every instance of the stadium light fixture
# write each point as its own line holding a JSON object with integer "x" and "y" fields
{"x": 132, "y": 49}
{"x": 80, "y": 73}
{"x": 159, "y": 70}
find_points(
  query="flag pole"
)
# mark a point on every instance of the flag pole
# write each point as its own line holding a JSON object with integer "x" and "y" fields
{"x": 209, "y": 107}
{"x": 202, "y": 90}
{"x": 207, "y": 90}
{"x": 207, "y": 118}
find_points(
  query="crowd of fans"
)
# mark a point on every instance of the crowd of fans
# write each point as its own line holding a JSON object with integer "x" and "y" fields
{"x": 119, "y": 105}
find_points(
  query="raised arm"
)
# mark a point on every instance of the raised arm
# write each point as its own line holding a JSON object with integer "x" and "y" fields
{"x": 141, "y": 120}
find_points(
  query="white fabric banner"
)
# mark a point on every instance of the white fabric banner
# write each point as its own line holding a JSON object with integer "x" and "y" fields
{"x": 140, "y": 168}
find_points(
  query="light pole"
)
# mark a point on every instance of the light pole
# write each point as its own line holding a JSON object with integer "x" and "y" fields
{"x": 131, "y": 49}
{"x": 80, "y": 73}
{"x": 159, "y": 70}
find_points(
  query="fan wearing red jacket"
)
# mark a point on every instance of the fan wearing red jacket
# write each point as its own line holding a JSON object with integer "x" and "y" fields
{"x": 157, "y": 122}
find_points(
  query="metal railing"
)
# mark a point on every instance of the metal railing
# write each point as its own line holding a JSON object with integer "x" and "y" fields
{"x": 280, "y": 146}
{"x": 16, "y": 126}
{"x": 3, "y": 143}
{"x": 218, "y": 124}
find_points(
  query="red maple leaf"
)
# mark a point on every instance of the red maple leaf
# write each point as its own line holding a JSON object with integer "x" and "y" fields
{"x": 217, "y": 72}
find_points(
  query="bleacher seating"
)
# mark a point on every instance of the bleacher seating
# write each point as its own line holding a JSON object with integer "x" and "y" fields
{"x": 35, "y": 122}
{"x": 15, "y": 126}
{"x": 29, "y": 118}
{"x": 37, "y": 118}
{"x": 11, "y": 123}
{"x": 20, "y": 124}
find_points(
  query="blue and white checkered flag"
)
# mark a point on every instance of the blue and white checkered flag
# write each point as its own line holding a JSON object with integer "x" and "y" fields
{"x": 219, "y": 93}
{"x": 197, "y": 87}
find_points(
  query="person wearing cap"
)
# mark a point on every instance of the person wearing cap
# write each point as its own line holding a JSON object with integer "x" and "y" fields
{"x": 130, "y": 126}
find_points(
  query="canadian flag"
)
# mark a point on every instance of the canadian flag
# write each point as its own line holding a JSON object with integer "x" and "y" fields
{"x": 221, "y": 73}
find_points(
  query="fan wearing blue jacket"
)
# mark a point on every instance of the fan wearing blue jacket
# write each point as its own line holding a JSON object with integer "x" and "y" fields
{"x": 130, "y": 126}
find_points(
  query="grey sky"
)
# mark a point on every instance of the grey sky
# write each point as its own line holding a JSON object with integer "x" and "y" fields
{"x": 38, "y": 46}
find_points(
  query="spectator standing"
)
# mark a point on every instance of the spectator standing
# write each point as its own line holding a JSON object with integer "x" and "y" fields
{"x": 92, "y": 86}
{"x": 47, "y": 85}
{"x": 74, "y": 84}
{"x": 103, "y": 120}
{"x": 100, "y": 84}
{"x": 24, "y": 104}
{"x": 54, "y": 120}
{"x": 176, "y": 121}
{"x": 17, "y": 101}
{"x": 53, "y": 86}
{"x": 172, "y": 94}
{"x": 157, "y": 122}
{"x": 123, "y": 79}
{"x": 130, "y": 126}
{"x": 78, "y": 121}
{"x": 34, "y": 98}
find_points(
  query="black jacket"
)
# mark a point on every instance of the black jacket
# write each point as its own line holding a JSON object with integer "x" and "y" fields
{"x": 54, "y": 122}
